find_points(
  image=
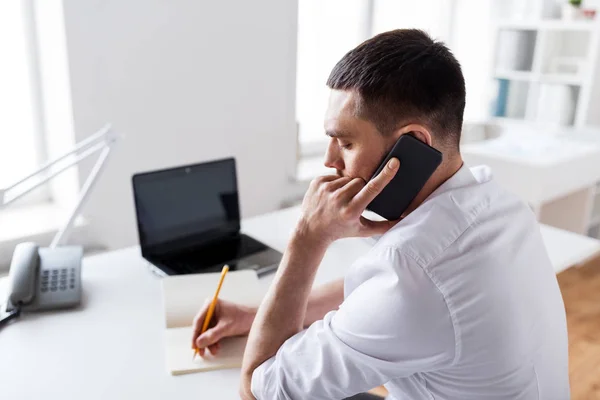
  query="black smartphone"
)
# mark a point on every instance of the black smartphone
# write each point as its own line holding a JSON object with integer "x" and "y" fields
{"x": 418, "y": 161}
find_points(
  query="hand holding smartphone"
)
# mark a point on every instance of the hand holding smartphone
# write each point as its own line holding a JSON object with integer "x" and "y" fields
{"x": 418, "y": 161}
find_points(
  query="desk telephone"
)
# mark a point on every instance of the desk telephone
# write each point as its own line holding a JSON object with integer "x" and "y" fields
{"x": 42, "y": 279}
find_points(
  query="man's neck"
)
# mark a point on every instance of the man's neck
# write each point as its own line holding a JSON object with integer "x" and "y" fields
{"x": 441, "y": 175}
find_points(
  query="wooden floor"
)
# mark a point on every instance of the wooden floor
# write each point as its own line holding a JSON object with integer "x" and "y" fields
{"x": 580, "y": 287}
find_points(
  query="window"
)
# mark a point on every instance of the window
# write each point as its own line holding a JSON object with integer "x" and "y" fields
{"x": 472, "y": 43}
{"x": 327, "y": 29}
{"x": 20, "y": 143}
{"x": 432, "y": 16}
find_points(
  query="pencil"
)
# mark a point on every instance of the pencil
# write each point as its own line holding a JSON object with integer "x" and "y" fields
{"x": 213, "y": 304}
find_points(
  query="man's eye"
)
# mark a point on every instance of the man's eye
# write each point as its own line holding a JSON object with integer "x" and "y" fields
{"x": 345, "y": 146}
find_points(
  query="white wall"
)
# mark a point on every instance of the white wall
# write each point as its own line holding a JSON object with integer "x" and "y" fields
{"x": 184, "y": 81}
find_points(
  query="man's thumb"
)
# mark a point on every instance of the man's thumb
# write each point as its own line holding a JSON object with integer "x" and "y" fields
{"x": 370, "y": 228}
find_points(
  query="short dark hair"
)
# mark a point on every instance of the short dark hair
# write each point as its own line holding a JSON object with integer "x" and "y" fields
{"x": 404, "y": 76}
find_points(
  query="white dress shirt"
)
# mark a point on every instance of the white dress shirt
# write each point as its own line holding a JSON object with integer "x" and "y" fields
{"x": 458, "y": 301}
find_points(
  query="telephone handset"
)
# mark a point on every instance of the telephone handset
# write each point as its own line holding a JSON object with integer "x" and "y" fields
{"x": 43, "y": 279}
{"x": 23, "y": 270}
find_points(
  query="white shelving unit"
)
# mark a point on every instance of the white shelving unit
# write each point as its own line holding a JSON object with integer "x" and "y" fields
{"x": 544, "y": 68}
{"x": 548, "y": 24}
{"x": 557, "y": 176}
{"x": 546, "y": 81}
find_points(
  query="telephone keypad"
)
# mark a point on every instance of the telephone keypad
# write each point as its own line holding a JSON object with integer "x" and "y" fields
{"x": 56, "y": 279}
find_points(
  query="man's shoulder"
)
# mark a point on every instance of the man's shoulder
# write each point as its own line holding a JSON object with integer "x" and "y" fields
{"x": 438, "y": 223}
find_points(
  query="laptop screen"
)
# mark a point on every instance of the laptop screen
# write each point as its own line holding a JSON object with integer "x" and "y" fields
{"x": 184, "y": 207}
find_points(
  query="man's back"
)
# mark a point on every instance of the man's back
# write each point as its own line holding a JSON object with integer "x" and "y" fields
{"x": 472, "y": 269}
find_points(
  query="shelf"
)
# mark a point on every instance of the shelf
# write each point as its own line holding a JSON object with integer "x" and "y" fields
{"x": 525, "y": 122}
{"x": 509, "y": 120}
{"x": 555, "y": 25}
{"x": 514, "y": 75}
{"x": 520, "y": 25}
{"x": 567, "y": 79}
{"x": 581, "y": 25}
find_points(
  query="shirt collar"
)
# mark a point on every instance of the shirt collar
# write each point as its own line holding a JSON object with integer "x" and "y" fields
{"x": 465, "y": 176}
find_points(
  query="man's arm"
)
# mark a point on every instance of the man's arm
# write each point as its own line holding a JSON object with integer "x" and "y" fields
{"x": 283, "y": 310}
{"x": 331, "y": 209}
{"x": 360, "y": 345}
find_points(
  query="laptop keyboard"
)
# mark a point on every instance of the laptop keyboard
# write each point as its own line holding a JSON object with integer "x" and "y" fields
{"x": 184, "y": 267}
{"x": 216, "y": 255}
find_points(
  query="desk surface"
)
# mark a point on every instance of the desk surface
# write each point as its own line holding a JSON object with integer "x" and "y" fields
{"x": 534, "y": 149}
{"x": 538, "y": 168}
{"x": 112, "y": 347}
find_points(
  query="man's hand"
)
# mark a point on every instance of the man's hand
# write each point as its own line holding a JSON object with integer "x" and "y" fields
{"x": 229, "y": 319}
{"x": 332, "y": 206}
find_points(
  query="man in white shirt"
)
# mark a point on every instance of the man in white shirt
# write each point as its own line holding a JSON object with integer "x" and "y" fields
{"x": 457, "y": 300}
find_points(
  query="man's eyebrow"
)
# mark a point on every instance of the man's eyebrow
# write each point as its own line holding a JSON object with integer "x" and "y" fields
{"x": 338, "y": 134}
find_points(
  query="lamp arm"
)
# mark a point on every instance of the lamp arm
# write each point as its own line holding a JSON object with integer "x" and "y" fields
{"x": 46, "y": 178}
{"x": 91, "y": 180}
{"x": 102, "y": 140}
{"x": 96, "y": 137}
{"x": 105, "y": 136}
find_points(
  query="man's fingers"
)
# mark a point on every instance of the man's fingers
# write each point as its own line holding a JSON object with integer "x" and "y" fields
{"x": 210, "y": 337}
{"x": 338, "y": 183}
{"x": 319, "y": 180}
{"x": 353, "y": 187}
{"x": 199, "y": 321}
{"x": 375, "y": 185}
{"x": 370, "y": 228}
{"x": 214, "y": 348}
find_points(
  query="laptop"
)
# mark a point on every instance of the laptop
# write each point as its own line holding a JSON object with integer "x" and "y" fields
{"x": 188, "y": 221}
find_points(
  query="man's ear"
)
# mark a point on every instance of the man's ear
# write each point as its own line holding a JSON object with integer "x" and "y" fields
{"x": 418, "y": 131}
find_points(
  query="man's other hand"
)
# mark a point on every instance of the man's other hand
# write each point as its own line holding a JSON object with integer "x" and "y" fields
{"x": 229, "y": 319}
{"x": 333, "y": 205}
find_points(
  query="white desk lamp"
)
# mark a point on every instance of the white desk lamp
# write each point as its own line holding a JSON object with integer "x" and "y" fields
{"x": 102, "y": 141}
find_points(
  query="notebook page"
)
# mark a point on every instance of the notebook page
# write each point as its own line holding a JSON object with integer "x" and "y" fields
{"x": 183, "y": 295}
{"x": 180, "y": 354}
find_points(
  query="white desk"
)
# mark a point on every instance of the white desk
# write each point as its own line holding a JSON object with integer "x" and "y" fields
{"x": 555, "y": 175}
{"x": 112, "y": 347}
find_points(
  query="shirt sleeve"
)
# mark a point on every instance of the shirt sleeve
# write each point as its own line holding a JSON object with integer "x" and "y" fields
{"x": 392, "y": 325}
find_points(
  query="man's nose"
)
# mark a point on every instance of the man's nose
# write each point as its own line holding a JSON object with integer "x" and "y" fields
{"x": 333, "y": 157}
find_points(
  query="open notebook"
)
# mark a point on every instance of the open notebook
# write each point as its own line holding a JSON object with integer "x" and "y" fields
{"x": 183, "y": 295}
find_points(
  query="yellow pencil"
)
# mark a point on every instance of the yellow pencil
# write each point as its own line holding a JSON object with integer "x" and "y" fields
{"x": 213, "y": 304}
